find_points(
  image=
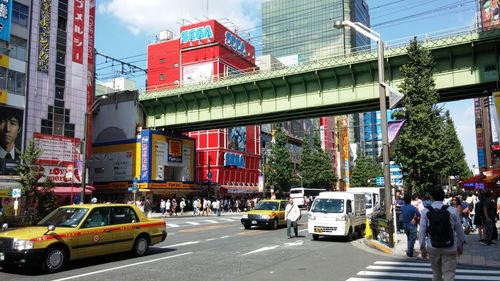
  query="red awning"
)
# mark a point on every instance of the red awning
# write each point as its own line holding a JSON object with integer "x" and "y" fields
{"x": 474, "y": 179}
{"x": 67, "y": 190}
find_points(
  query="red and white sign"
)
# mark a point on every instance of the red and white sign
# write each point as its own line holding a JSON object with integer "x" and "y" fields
{"x": 60, "y": 174}
{"x": 57, "y": 150}
{"x": 90, "y": 70}
{"x": 78, "y": 30}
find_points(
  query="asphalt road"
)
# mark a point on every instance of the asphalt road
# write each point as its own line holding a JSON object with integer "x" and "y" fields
{"x": 218, "y": 248}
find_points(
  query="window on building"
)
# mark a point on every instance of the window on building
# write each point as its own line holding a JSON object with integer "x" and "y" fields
{"x": 20, "y": 14}
{"x": 3, "y": 77}
{"x": 18, "y": 46}
{"x": 20, "y": 83}
{"x": 61, "y": 23}
{"x": 11, "y": 81}
{"x": 162, "y": 77}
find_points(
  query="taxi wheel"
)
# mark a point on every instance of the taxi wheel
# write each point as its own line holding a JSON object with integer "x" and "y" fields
{"x": 275, "y": 224}
{"x": 54, "y": 259}
{"x": 141, "y": 246}
{"x": 247, "y": 226}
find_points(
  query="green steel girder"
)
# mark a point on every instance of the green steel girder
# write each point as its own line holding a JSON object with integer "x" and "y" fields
{"x": 466, "y": 65}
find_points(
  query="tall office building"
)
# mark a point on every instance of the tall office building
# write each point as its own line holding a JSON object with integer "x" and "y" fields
{"x": 296, "y": 32}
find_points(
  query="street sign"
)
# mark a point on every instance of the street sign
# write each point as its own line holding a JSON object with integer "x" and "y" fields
{"x": 394, "y": 96}
{"x": 16, "y": 192}
{"x": 379, "y": 181}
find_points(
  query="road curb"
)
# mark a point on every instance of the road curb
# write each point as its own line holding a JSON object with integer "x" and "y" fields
{"x": 378, "y": 246}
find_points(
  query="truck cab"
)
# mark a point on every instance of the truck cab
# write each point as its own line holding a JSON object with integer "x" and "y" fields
{"x": 337, "y": 214}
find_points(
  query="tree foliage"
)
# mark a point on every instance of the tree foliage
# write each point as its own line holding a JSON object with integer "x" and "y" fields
{"x": 40, "y": 197}
{"x": 280, "y": 169}
{"x": 316, "y": 167}
{"x": 428, "y": 147}
{"x": 365, "y": 171}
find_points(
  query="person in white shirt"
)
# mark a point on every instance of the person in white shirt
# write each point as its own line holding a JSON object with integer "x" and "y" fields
{"x": 443, "y": 260}
{"x": 292, "y": 214}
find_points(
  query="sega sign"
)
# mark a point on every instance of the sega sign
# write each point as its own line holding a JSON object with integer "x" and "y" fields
{"x": 233, "y": 159}
{"x": 197, "y": 33}
{"x": 235, "y": 43}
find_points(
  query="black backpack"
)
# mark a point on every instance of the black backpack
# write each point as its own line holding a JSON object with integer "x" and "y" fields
{"x": 440, "y": 230}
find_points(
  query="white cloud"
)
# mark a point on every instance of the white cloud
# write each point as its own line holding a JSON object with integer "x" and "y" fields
{"x": 153, "y": 16}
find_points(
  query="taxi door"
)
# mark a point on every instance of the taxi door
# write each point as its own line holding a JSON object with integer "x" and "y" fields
{"x": 281, "y": 213}
{"x": 125, "y": 226}
{"x": 96, "y": 235}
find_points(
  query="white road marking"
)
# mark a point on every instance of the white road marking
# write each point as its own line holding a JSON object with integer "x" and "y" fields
{"x": 302, "y": 230}
{"x": 193, "y": 223}
{"x": 225, "y": 236}
{"x": 423, "y": 275}
{"x": 120, "y": 267}
{"x": 210, "y": 239}
{"x": 262, "y": 250}
{"x": 402, "y": 263}
{"x": 181, "y": 244}
{"x": 172, "y": 225}
{"x": 236, "y": 218}
{"x": 211, "y": 221}
{"x": 373, "y": 279}
{"x": 296, "y": 243}
{"x": 427, "y": 267}
{"x": 227, "y": 220}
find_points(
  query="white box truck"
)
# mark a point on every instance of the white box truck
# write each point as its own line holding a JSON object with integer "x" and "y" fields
{"x": 335, "y": 213}
{"x": 374, "y": 197}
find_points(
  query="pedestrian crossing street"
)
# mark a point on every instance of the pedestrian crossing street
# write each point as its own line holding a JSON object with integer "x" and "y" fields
{"x": 195, "y": 221}
{"x": 405, "y": 271}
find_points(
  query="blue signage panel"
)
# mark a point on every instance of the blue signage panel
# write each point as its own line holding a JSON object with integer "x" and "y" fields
{"x": 235, "y": 43}
{"x": 145, "y": 155}
{"x": 379, "y": 180}
{"x": 197, "y": 33}
{"x": 233, "y": 159}
{"x": 5, "y": 19}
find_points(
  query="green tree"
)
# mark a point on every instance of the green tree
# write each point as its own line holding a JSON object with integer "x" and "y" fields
{"x": 453, "y": 155}
{"x": 315, "y": 165}
{"x": 418, "y": 147}
{"x": 39, "y": 195}
{"x": 365, "y": 171}
{"x": 280, "y": 169}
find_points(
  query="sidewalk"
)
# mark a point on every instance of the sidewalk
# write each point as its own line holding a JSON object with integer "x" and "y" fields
{"x": 474, "y": 253}
{"x": 190, "y": 214}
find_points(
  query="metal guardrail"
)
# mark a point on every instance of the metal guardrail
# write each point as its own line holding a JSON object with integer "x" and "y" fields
{"x": 394, "y": 48}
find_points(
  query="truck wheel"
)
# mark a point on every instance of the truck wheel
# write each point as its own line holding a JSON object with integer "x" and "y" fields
{"x": 54, "y": 259}
{"x": 275, "y": 224}
{"x": 349, "y": 235}
{"x": 315, "y": 237}
{"x": 247, "y": 226}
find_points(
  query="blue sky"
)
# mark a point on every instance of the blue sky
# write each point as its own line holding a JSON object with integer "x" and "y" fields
{"x": 124, "y": 28}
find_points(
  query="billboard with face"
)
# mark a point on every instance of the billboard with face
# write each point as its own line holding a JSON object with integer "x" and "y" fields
{"x": 11, "y": 122}
{"x": 237, "y": 138}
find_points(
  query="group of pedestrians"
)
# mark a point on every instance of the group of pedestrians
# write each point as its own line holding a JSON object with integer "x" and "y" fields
{"x": 440, "y": 224}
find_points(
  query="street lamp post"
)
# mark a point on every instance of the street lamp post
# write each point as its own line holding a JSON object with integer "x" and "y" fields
{"x": 84, "y": 143}
{"x": 366, "y": 31}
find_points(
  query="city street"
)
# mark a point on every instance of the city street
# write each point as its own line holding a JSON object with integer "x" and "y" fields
{"x": 218, "y": 248}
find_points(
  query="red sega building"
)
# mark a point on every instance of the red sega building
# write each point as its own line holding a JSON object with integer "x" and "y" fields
{"x": 208, "y": 51}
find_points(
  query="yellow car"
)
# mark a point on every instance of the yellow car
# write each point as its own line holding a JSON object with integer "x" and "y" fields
{"x": 80, "y": 231}
{"x": 269, "y": 213}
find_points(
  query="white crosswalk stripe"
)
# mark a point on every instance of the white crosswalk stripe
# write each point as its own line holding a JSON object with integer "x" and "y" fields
{"x": 186, "y": 222}
{"x": 395, "y": 271}
{"x": 172, "y": 225}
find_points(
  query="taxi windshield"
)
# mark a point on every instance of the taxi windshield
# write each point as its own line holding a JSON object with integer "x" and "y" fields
{"x": 266, "y": 205}
{"x": 64, "y": 217}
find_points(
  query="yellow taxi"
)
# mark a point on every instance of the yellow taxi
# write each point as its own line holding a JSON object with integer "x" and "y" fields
{"x": 80, "y": 231}
{"x": 267, "y": 212}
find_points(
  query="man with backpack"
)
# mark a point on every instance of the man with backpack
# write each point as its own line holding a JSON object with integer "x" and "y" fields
{"x": 441, "y": 236}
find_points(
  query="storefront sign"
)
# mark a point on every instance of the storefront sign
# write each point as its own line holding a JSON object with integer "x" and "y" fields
{"x": 59, "y": 174}
{"x": 235, "y": 43}
{"x": 111, "y": 166}
{"x": 57, "y": 150}
{"x": 5, "y": 19}
{"x": 78, "y": 30}
{"x": 175, "y": 151}
{"x": 196, "y": 34}
{"x": 44, "y": 36}
{"x": 233, "y": 159}
{"x": 145, "y": 157}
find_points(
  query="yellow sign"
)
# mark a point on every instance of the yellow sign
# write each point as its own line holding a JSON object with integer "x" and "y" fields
{"x": 4, "y": 96}
{"x": 5, "y": 192}
{"x": 4, "y": 61}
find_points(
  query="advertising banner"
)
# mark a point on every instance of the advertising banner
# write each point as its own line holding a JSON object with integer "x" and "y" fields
{"x": 195, "y": 73}
{"x": 174, "y": 151}
{"x": 5, "y": 19}
{"x": 57, "y": 150}
{"x": 44, "y": 36}
{"x": 237, "y": 138}
{"x": 490, "y": 11}
{"x": 11, "y": 132}
{"x": 394, "y": 129}
{"x": 78, "y": 30}
{"x": 61, "y": 174}
{"x": 145, "y": 161}
{"x": 112, "y": 166}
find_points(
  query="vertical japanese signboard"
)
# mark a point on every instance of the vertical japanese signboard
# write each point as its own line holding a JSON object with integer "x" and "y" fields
{"x": 44, "y": 36}
{"x": 5, "y": 19}
{"x": 90, "y": 66}
{"x": 481, "y": 152}
{"x": 145, "y": 159}
{"x": 78, "y": 30}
